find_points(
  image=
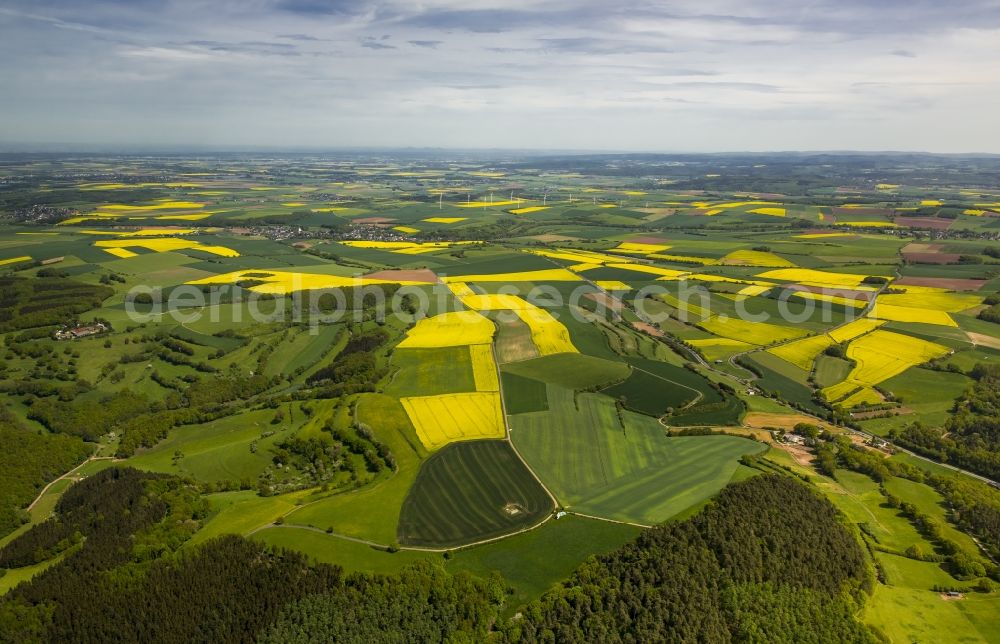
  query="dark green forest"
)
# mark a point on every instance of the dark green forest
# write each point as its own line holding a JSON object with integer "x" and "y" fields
{"x": 28, "y": 461}
{"x": 745, "y": 569}
{"x": 971, "y": 437}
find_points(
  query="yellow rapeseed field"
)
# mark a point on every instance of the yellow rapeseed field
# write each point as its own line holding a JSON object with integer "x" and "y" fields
{"x": 802, "y": 353}
{"x": 931, "y": 202}
{"x": 122, "y": 253}
{"x": 774, "y": 212}
{"x": 163, "y": 205}
{"x": 863, "y": 396}
{"x": 293, "y": 204}
{"x": 452, "y": 329}
{"x": 444, "y": 220}
{"x": 753, "y": 289}
{"x": 710, "y": 277}
{"x": 880, "y": 355}
{"x": 406, "y": 229}
{"x": 743, "y": 204}
{"x": 854, "y": 329}
{"x": 484, "y": 369}
{"x": 166, "y": 244}
{"x": 549, "y": 334}
{"x": 811, "y": 277}
{"x": 188, "y": 217}
{"x": 528, "y": 209}
{"x": 282, "y": 282}
{"x": 404, "y": 245}
{"x": 460, "y": 289}
{"x": 756, "y": 258}
{"x": 15, "y": 260}
{"x": 580, "y": 256}
{"x": 935, "y": 300}
{"x": 638, "y": 248}
{"x": 910, "y": 314}
{"x": 652, "y": 270}
{"x": 443, "y": 419}
{"x": 143, "y": 232}
{"x": 759, "y": 333}
{"x": 495, "y": 302}
{"x": 612, "y": 285}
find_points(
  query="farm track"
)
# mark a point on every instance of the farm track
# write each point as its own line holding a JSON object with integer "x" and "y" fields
{"x": 506, "y": 425}
{"x": 66, "y": 475}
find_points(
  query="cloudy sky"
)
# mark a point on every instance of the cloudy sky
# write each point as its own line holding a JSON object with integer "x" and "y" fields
{"x": 705, "y": 75}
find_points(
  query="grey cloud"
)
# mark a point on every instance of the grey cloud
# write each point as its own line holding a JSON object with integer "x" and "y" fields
{"x": 323, "y": 7}
{"x": 726, "y": 85}
{"x": 371, "y": 43}
{"x": 299, "y": 37}
{"x": 601, "y": 46}
{"x": 427, "y": 44}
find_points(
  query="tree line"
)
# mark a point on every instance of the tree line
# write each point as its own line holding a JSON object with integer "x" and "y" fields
{"x": 768, "y": 560}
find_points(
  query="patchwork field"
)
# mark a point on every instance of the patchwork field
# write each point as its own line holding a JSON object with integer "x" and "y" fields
{"x": 609, "y": 309}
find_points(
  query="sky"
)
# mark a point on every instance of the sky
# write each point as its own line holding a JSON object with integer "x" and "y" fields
{"x": 625, "y": 75}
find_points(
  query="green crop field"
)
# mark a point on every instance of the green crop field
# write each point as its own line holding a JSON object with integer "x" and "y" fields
{"x": 429, "y": 372}
{"x": 784, "y": 379}
{"x": 523, "y": 394}
{"x": 631, "y": 473}
{"x": 350, "y": 555}
{"x": 829, "y": 370}
{"x": 910, "y": 615}
{"x": 863, "y": 503}
{"x": 726, "y": 412}
{"x": 904, "y": 572}
{"x": 571, "y": 370}
{"x": 650, "y": 394}
{"x": 928, "y": 501}
{"x": 930, "y": 394}
{"x": 533, "y": 561}
{"x": 469, "y": 492}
